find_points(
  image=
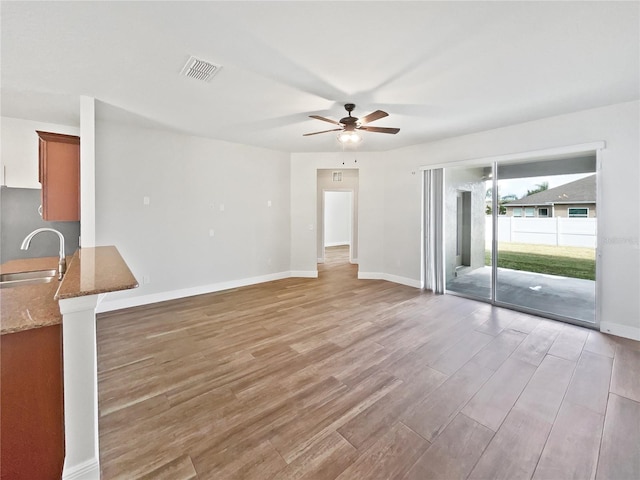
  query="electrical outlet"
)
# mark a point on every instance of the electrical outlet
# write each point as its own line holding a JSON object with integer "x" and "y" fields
{"x": 146, "y": 200}
{"x": 212, "y": 232}
{"x": 222, "y": 207}
{"x": 268, "y": 203}
{"x": 146, "y": 279}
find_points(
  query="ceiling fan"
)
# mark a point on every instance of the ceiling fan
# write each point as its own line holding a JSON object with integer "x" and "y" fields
{"x": 349, "y": 125}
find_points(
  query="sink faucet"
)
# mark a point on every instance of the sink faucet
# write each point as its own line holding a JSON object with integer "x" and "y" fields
{"x": 62, "y": 262}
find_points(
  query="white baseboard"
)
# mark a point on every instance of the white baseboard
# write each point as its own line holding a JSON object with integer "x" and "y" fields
{"x": 370, "y": 276}
{"x": 89, "y": 470}
{"x": 108, "y": 306}
{"x": 619, "y": 330}
{"x": 304, "y": 273}
{"x": 119, "y": 304}
{"x": 410, "y": 282}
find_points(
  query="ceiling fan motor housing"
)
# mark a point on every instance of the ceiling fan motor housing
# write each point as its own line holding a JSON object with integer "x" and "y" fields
{"x": 350, "y": 123}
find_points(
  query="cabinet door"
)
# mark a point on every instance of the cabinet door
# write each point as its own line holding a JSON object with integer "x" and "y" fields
{"x": 32, "y": 414}
{"x": 60, "y": 176}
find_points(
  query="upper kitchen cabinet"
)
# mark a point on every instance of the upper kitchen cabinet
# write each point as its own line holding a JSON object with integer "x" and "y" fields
{"x": 59, "y": 174}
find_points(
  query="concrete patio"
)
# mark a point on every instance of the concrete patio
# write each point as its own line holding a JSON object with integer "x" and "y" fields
{"x": 568, "y": 297}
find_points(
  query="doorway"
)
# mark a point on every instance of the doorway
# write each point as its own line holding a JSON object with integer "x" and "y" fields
{"x": 337, "y": 221}
{"x": 337, "y": 226}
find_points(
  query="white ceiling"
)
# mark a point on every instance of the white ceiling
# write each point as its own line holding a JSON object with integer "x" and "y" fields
{"x": 439, "y": 69}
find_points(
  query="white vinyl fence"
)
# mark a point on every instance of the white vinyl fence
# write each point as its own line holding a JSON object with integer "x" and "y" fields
{"x": 569, "y": 232}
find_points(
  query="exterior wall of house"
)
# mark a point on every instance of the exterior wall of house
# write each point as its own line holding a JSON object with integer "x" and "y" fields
{"x": 563, "y": 210}
{"x": 556, "y": 210}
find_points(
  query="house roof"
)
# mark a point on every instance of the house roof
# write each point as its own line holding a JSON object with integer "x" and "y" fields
{"x": 440, "y": 69}
{"x": 580, "y": 191}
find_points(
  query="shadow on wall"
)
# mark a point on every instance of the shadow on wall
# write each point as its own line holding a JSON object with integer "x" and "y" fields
{"x": 19, "y": 216}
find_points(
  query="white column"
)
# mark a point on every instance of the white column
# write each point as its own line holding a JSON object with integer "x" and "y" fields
{"x": 87, "y": 171}
{"x": 82, "y": 454}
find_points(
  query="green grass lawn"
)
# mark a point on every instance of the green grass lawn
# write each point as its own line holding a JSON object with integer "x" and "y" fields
{"x": 575, "y": 262}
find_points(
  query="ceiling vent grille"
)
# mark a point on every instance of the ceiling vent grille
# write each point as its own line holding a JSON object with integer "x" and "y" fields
{"x": 200, "y": 69}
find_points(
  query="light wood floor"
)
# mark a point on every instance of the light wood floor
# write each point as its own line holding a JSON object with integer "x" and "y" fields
{"x": 359, "y": 379}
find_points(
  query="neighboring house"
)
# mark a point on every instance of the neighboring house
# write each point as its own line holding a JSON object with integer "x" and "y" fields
{"x": 571, "y": 200}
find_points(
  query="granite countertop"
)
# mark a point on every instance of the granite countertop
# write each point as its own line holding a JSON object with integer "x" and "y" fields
{"x": 96, "y": 270}
{"x": 90, "y": 271}
{"x": 29, "y": 306}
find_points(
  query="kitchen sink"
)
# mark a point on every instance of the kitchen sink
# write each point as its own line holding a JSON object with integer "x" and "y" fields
{"x": 27, "y": 278}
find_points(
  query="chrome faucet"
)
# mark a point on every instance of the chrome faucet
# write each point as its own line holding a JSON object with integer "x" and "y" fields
{"x": 62, "y": 262}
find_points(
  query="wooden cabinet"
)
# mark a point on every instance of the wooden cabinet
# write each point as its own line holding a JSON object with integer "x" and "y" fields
{"x": 32, "y": 414}
{"x": 59, "y": 174}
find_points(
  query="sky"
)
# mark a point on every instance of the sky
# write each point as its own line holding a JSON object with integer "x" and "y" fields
{"x": 519, "y": 186}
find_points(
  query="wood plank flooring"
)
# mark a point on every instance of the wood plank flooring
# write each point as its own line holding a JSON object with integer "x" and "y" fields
{"x": 339, "y": 378}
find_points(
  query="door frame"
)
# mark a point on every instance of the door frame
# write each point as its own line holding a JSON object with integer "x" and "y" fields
{"x": 351, "y": 219}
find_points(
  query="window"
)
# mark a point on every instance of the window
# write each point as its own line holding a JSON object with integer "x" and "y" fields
{"x": 543, "y": 212}
{"x": 517, "y": 211}
{"x": 578, "y": 212}
{"x": 529, "y": 212}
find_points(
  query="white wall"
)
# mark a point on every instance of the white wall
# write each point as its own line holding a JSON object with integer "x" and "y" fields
{"x": 618, "y": 125}
{"x": 379, "y": 221}
{"x": 304, "y": 211}
{"x": 402, "y": 220}
{"x": 87, "y": 171}
{"x": 337, "y": 218}
{"x": 19, "y": 150}
{"x": 194, "y": 186}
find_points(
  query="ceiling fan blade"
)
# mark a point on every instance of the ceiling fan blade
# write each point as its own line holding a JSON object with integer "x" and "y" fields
{"x": 324, "y": 131}
{"x": 380, "y": 129}
{"x": 373, "y": 116}
{"x": 318, "y": 117}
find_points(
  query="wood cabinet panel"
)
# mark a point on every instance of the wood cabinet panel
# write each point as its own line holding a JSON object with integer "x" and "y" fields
{"x": 59, "y": 174}
{"x": 32, "y": 414}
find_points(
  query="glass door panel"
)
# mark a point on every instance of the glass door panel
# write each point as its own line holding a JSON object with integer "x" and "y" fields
{"x": 468, "y": 231}
{"x": 546, "y": 238}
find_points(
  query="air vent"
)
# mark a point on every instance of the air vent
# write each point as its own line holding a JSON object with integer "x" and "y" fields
{"x": 200, "y": 69}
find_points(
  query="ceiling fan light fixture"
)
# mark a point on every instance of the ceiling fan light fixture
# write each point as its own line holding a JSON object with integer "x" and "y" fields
{"x": 349, "y": 137}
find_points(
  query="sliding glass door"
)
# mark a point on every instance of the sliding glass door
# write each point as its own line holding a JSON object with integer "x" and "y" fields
{"x": 523, "y": 235}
